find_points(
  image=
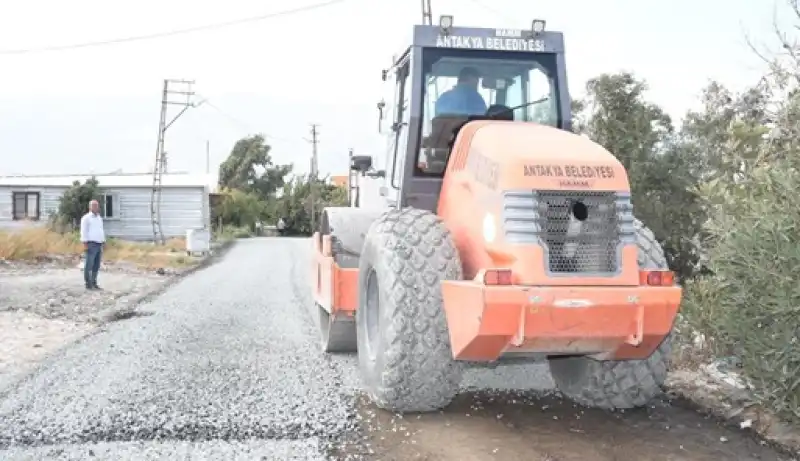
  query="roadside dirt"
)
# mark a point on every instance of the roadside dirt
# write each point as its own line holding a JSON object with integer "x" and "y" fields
{"x": 527, "y": 426}
{"x": 28, "y": 338}
{"x": 58, "y": 292}
{"x": 44, "y": 307}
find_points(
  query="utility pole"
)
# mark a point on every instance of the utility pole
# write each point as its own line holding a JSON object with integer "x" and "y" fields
{"x": 314, "y": 173}
{"x": 184, "y": 89}
{"x": 350, "y": 180}
{"x": 427, "y": 15}
{"x": 208, "y": 158}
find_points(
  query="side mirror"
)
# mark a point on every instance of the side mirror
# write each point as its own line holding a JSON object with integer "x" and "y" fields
{"x": 384, "y": 74}
{"x": 361, "y": 163}
{"x": 381, "y": 106}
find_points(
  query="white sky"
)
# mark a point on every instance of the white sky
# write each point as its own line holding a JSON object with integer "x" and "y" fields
{"x": 96, "y": 109}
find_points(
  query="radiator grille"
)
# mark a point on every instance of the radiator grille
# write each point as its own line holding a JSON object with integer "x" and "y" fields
{"x": 581, "y": 232}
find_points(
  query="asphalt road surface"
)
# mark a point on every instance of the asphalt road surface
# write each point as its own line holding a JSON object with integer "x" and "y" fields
{"x": 227, "y": 367}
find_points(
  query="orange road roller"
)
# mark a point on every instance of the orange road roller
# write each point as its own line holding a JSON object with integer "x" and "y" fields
{"x": 492, "y": 234}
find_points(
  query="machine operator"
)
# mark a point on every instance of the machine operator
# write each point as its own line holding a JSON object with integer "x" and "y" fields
{"x": 464, "y": 98}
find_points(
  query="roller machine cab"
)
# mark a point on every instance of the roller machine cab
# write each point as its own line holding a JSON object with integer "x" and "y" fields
{"x": 508, "y": 238}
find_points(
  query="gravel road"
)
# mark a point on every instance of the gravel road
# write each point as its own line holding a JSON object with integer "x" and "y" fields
{"x": 227, "y": 367}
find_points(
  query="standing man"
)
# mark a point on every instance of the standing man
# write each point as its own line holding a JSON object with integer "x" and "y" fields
{"x": 93, "y": 237}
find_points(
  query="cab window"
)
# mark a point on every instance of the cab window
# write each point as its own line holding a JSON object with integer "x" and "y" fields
{"x": 461, "y": 83}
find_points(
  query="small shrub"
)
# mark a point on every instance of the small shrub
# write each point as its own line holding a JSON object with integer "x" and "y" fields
{"x": 698, "y": 324}
{"x": 242, "y": 234}
{"x": 700, "y": 309}
{"x": 234, "y": 232}
{"x": 73, "y": 204}
{"x": 240, "y": 209}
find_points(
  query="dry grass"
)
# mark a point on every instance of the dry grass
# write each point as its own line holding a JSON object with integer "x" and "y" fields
{"x": 36, "y": 243}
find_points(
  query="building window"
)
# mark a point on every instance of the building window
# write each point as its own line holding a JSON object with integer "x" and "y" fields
{"x": 25, "y": 205}
{"x": 109, "y": 206}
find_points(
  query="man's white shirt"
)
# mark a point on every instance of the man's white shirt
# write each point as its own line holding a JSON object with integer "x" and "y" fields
{"x": 92, "y": 228}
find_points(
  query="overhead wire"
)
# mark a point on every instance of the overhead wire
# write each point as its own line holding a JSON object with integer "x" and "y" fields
{"x": 237, "y": 121}
{"x": 187, "y": 30}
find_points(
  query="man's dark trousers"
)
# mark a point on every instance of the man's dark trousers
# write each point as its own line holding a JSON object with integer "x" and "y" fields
{"x": 94, "y": 252}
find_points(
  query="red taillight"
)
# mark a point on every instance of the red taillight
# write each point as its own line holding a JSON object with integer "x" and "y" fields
{"x": 657, "y": 278}
{"x": 497, "y": 277}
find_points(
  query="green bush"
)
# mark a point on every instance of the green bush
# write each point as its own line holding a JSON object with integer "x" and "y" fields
{"x": 242, "y": 234}
{"x": 750, "y": 307}
{"x": 240, "y": 209}
{"x": 700, "y": 310}
{"x": 73, "y": 204}
{"x": 234, "y": 232}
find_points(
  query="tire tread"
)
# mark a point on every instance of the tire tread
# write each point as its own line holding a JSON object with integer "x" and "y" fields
{"x": 625, "y": 383}
{"x": 414, "y": 254}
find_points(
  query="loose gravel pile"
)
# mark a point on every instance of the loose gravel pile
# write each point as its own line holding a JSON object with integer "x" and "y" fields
{"x": 44, "y": 306}
{"x": 57, "y": 292}
{"x": 227, "y": 363}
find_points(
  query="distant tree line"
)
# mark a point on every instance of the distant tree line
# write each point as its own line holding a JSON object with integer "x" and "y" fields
{"x": 255, "y": 190}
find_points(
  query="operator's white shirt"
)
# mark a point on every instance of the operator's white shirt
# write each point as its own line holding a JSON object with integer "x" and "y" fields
{"x": 92, "y": 228}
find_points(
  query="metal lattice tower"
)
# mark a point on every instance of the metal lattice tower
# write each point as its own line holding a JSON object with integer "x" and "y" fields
{"x": 160, "y": 166}
{"x": 427, "y": 15}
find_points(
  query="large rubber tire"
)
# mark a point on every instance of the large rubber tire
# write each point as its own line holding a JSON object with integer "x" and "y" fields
{"x": 619, "y": 384}
{"x": 403, "y": 343}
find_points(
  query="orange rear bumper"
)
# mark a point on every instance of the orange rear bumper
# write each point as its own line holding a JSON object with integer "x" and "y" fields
{"x": 488, "y": 322}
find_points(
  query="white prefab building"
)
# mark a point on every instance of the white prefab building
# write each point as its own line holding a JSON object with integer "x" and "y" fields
{"x": 31, "y": 200}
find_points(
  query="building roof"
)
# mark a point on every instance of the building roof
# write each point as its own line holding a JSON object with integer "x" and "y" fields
{"x": 114, "y": 180}
{"x": 339, "y": 180}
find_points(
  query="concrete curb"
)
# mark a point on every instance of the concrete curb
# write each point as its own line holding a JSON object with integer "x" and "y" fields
{"x": 129, "y": 309}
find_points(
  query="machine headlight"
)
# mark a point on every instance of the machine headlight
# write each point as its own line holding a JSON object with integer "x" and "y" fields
{"x": 489, "y": 228}
{"x": 538, "y": 26}
{"x": 446, "y": 21}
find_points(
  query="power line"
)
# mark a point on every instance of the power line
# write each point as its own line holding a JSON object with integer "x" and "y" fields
{"x": 240, "y": 123}
{"x": 230, "y": 117}
{"x": 188, "y": 30}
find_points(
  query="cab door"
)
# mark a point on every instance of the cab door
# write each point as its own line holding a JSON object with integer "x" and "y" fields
{"x": 396, "y": 133}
